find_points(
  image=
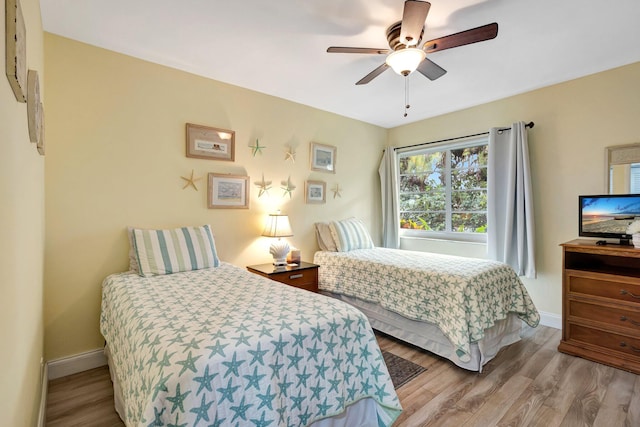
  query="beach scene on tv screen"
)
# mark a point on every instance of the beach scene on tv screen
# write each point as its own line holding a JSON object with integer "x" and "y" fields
{"x": 609, "y": 214}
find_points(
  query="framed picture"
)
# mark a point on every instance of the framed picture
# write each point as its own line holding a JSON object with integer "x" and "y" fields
{"x": 323, "y": 158}
{"x": 34, "y": 106}
{"x": 315, "y": 191}
{"x": 228, "y": 191}
{"x": 16, "y": 49}
{"x": 205, "y": 142}
{"x": 40, "y": 143}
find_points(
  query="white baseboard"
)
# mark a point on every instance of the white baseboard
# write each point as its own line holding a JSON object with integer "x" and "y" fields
{"x": 80, "y": 362}
{"x": 42, "y": 413}
{"x": 551, "y": 320}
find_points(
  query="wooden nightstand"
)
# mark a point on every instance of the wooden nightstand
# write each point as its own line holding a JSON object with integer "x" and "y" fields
{"x": 303, "y": 276}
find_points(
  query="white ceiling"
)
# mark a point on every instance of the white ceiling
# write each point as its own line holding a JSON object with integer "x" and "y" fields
{"x": 278, "y": 47}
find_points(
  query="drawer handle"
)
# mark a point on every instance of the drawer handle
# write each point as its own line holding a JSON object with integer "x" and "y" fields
{"x": 626, "y": 292}
{"x": 633, "y": 322}
{"x": 295, "y": 276}
{"x": 635, "y": 349}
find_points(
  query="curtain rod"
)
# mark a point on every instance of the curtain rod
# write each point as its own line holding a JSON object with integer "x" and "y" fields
{"x": 528, "y": 125}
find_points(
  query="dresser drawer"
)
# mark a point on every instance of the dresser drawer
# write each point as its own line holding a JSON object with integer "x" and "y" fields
{"x": 605, "y": 286}
{"x": 297, "y": 278}
{"x": 604, "y": 339}
{"x": 609, "y": 315}
{"x": 303, "y": 275}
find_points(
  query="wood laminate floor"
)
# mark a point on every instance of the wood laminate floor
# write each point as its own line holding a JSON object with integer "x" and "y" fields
{"x": 528, "y": 384}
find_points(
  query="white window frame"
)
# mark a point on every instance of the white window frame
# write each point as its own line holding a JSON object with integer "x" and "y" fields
{"x": 634, "y": 179}
{"x": 444, "y": 146}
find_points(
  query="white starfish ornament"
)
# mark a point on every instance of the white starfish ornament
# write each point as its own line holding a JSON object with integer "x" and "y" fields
{"x": 288, "y": 187}
{"x": 264, "y": 186}
{"x": 336, "y": 191}
{"x": 191, "y": 181}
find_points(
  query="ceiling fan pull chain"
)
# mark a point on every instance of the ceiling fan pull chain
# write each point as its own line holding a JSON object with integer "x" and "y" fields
{"x": 406, "y": 95}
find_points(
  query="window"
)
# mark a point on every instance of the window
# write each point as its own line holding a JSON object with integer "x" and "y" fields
{"x": 443, "y": 191}
{"x": 634, "y": 181}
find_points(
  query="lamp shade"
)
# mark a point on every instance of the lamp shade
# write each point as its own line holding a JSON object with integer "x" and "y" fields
{"x": 405, "y": 61}
{"x": 277, "y": 226}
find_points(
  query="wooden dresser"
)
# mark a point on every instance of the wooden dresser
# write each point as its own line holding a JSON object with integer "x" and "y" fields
{"x": 601, "y": 303}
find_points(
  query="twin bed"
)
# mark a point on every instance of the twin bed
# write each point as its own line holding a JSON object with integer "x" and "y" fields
{"x": 462, "y": 309}
{"x": 212, "y": 344}
{"x": 195, "y": 341}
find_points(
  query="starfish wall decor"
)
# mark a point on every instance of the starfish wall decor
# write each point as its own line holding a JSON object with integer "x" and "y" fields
{"x": 336, "y": 191}
{"x": 288, "y": 187}
{"x": 255, "y": 149}
{"x": 264, "y": 186}
{"x": 191, "y": 181}
{"x": 290, "y": 154}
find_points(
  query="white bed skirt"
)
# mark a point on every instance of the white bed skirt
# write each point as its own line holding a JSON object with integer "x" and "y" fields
{"x": 429, "y": 337}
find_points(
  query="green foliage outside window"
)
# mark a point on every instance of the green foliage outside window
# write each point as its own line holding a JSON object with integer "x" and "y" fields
{"x": 444, "y": 190}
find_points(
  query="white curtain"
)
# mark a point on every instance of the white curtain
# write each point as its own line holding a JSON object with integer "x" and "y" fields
{"x": 510, "y": 226}
{"x": 389, "y": 194}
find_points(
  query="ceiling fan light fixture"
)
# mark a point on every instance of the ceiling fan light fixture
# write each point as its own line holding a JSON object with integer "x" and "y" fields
{"x": 405, "y": 61}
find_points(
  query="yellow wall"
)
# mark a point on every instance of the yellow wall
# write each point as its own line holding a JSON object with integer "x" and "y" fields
{"x": 116, "y": 151}
{"x": 574, "y": 122}
{"x": 21, "y": 241}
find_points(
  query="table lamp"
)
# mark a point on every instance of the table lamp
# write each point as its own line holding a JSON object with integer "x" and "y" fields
{"x": 278, "y": 226}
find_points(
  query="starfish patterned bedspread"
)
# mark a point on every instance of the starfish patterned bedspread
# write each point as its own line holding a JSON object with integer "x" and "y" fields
{"x": 462, "y": 296}
{"x": 223, "y": 346}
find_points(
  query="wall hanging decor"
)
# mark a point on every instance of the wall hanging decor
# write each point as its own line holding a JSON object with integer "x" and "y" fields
{"x": 34, "y": 106}
{"x": 323, "y": 158}
{"x": 190, "y": 181}
{"x": 40, "y": 143}
{"x": 204, "y": 142}
{"x": 314, "y": 192}
{"x": 290, "y": 154}
{"x": 16, "y": 49}
{"x": 337, "y": 191}
{"x": 264, "y": 186}
{"x": 257, "y": 148}
{"x": 288, "y": 187}
{"x": 228, "y": 191}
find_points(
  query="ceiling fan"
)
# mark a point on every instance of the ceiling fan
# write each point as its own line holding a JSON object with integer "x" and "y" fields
{"x": 404, "y": 55}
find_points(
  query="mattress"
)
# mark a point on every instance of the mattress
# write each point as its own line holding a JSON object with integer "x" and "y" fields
{"x": 462, "y": 297}
{"x": 225, "y": 346}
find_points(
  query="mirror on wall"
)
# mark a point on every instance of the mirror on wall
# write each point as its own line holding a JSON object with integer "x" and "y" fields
{"x": 623, "y": 169}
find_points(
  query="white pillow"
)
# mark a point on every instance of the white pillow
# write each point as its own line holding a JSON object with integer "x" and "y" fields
{"x": 350, "y": 234}
{"x": 171, "y": 251}
{"x": 324, "y": 237}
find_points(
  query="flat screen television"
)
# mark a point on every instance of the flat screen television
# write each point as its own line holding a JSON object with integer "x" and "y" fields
{"x": 608, "y": 216}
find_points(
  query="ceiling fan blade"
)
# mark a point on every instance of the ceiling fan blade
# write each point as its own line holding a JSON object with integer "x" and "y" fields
{"x": 431, "y": 70}
{"x": 339, "y": 49}
{"x": 473, "y": 35}
{"x": 372, "y": 75}
{"x": 413, "y": 17}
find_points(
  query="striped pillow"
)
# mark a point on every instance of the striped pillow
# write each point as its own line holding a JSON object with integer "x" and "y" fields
{"x": 171, "y": 251}
{"x": 350, "y": 234}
